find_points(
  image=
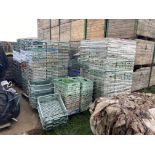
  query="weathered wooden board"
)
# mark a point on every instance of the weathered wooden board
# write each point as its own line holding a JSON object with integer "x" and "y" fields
{"x": 55, "y": 33}
{"x": 95, "y": 29}
{"x": 40, "y": 34}
{"x": 144, "y": 52}
{"x": 65, "y": 32}
{"x": 140, "y": 78}
{"x": 54, "y": 22}
{"x": 43, "y": 23}
{"x": 130, "y": 28}
{"x": 44, "y": 34}
{"x": 63, "y": 21}
{"x": 77, "y": 30}
{"x": 152, "y": 80}
{"x": 121, "y": 28}
{"x": 146, "y": 28}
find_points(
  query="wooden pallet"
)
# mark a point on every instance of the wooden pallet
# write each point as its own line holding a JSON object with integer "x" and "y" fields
{"x": 144, "y": 52}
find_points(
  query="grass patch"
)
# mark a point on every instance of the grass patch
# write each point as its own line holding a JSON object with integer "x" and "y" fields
{"x": 148, "y": 90}
{"x": 77, "y": 125}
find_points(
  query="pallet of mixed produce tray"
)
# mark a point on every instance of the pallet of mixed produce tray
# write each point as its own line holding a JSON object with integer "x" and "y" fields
{"x": 52, "y": 111}
{"x": 69, "y": 89}
{"x": 109, "y": 64}
{"x": 58, "y": 58}
{"x": 28, "y": 44}
{"x": 39, "y": 88}
{"x": 9, "y": 71}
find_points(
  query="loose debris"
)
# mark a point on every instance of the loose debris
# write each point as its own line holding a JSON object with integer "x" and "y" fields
{"x": 132, "y": 114}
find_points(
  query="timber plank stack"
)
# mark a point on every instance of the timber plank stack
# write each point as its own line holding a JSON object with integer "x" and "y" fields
{"x": 77, "y": 30}
{"x": 65, "y": 32}
{"x": 55, "y": 30}
{"x": 95, "y": 29}
{"x": 152, "y": 80}
{"x": 44, "y": 29}
{"x": 131, "y": 28}
{"x": 144, "y": 52}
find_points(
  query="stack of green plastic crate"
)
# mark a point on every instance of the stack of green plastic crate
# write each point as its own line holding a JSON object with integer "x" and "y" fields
{"x": 52, "y": 111}
{"x": 86, "y": 92}
{"x": 39, "y": 88}
{"x": 69, "y": 89}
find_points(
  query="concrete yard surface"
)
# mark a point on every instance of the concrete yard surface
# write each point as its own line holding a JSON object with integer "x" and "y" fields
{"x": 28, "y": 120}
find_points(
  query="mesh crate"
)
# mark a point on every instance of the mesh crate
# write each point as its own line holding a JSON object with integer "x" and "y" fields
{"x": 86, "y": 92}
{"x": 109, "y": 64}
{"x": 58, "y": 59}
{"x": 52, "y": 111}
{"x": 69, "y": 89}
{"x": 37, "y": 89}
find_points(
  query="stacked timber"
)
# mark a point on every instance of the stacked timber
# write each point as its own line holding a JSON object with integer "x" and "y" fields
{"x": 55, "y": 34}
{"x": 144, "y": 52}
{"x": 140, "y": 78}
{"x": 77, "y": 30}
{"x": 54, "y": 22}
{"x": 63, "y": 21}
{"x": 130, "y": 28}
{"x": 152, "y": 80}
{"x": 44, "y": 29}
{"x": 143, "y": 61}
{"x": 65, "y": 32}
{"x": 95, "y": 29}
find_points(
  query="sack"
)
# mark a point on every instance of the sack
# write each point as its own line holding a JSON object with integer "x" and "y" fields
{"x": 9, "y": 106}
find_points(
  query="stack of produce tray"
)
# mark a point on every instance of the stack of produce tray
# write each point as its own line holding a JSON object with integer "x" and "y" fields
{"x": 109, "y": 63}
{"x": 57, "y": 59}
{"x": 52, "y": 111}
{"x": 69, "y": 89}
{"x": 86, "y": 92}
{"x": 39, "y": 88}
